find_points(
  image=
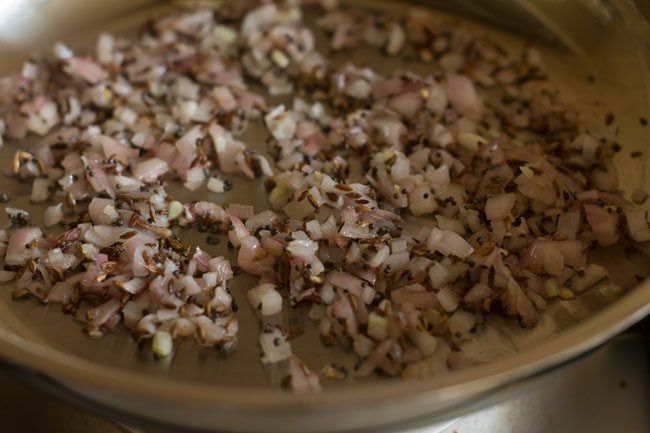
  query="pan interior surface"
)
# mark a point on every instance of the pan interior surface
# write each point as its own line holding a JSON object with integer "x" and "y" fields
{"x": 51, "y": 331}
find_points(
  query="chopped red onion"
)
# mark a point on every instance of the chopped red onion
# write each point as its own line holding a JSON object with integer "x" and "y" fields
{"x": 403, "y": 206}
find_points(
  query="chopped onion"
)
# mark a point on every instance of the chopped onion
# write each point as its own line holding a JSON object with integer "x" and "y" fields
{"x": 6, "y": 276}
{"x": 266, "y": 299}
{"x": 448, "y": 243}
{"x": 499, "y": 206}
{"x": 460, "y": 324}
{"x": 162, "y": 344}
{"x": 216, "y": 185}
{"x": 150, "y": 170}
{"x": 361, "y": 161}
{"x": 275, "y": 347}
{"x": 377, "y": 327}
{"x": 425, "y": 342}
{"x": 53, "y": 215}
{"x": 448, "y": 299}
{"x": 302, "y": 380}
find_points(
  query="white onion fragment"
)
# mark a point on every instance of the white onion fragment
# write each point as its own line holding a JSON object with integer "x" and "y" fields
{"x": 265, "y": 299}
{"x": 53, "y": 215}
{"x": 275, "y": 347}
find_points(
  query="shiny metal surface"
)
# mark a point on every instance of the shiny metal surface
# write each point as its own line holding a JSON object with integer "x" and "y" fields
{"x": 202, "y": 390}
{"x": 561, "y": 402}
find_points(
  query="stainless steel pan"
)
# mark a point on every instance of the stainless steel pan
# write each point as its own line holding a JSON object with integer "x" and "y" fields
{"x": 201, "y": 390}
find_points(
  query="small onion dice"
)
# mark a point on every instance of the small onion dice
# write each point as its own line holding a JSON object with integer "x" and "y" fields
{"x": 266, "y": 299}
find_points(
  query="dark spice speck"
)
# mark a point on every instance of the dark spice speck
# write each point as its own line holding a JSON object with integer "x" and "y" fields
{"x": 213, "y": 239}
{"x": 19, "y": 219}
